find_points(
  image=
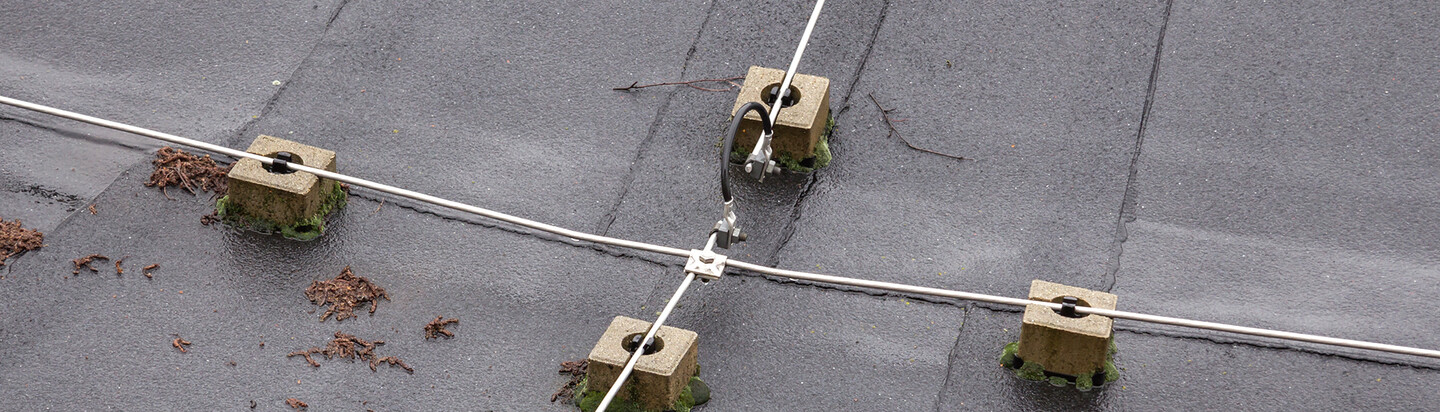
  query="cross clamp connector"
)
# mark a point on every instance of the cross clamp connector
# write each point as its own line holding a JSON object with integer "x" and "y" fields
{"x": 705, "y": 264}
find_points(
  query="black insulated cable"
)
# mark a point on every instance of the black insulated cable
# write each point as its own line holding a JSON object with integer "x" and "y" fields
{"x": 729, "y": 144}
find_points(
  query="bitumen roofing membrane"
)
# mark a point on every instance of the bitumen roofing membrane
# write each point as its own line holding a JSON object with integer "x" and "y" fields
{"x": 1262, "y": 164}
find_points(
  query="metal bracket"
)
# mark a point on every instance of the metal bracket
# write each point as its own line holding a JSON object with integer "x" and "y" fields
{"x": 705, "y": 264}
{"x": 281, "y": 163}
{"x": 1067, "y": 307}
{"x": 758, "y": 164}
{"x": 726, "y": 231}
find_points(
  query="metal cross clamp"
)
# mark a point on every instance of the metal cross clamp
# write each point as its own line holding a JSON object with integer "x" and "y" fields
{"x": 705, "y": 264}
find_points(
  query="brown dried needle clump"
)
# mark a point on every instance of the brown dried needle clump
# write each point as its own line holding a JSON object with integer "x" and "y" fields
{"x": 296, "y": 404}
{"x": 350, "y": 347}
{"x": 15, "y": 239}
{"x": 179, "y": 168}
{"x": 437, "y": 327}
{"x": 576, "y": 370}
{"x": 84, "y": 263}
{"x": 344, "y": 293}
{"x": 393, "y": 361}
{"x": 180, "y": 344}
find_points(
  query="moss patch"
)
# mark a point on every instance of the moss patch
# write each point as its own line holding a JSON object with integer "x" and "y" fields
{"x": 306, "y": 229}
{"x": 1034, "y": 371}
{"x": 1031, "y": 371}
{"x": 820, "y": 158}
{"x": 1111, "y": 373}
{"x": 1007, "y": 356}
{"x": 695, "y": 393}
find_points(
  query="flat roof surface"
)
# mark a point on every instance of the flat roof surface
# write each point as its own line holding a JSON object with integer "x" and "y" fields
{"x": 1268, "y": 165}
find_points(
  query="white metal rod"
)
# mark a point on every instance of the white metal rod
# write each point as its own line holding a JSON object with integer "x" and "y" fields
{"x": 640, "y": 350}
{"x": 814, "y": 277}
{"x": 795, "y": 61}
{"x": 896, "y": 287}
{"x": 775, "y": 106}
{"x": 351, "y": 180}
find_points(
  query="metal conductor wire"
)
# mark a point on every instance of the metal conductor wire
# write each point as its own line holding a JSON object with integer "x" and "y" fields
{"x": 1117, "y": 314}
{"x": 351, "y": 180}
{"x": 795, "y": 62}
{"x": 759, "y": 163}
{"x": 813, "y": 277}
{"x": 650, "y": 334}
{"x": 640, "y": 350}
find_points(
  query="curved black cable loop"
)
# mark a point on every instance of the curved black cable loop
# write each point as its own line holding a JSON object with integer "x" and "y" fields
{"x": 729, "y": 144}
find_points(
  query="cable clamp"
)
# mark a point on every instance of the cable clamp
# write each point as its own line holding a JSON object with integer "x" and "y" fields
{"x": 1067, "y": 307}
{"x": 281, "y": 163}
{"x": 726, "y": 231}
{"x": 705, "y": 264}
{"x": 758, "y": 164}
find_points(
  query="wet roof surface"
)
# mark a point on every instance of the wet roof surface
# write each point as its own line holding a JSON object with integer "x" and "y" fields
{"x": 1273, "y": 167}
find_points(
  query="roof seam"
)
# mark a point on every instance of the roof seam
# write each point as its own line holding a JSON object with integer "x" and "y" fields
{"x": 950, "y": 360}
{"x": 608, "y": 219}
{"x": 1128, "y": 199}
{"x": 1229, "y": 339}
{"x": 614, "y": 252}
{"x": 239, "y": 138}
{"x": 795, "y": 212}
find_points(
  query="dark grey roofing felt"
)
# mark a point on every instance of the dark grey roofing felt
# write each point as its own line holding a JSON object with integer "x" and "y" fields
{"x": 1274, "y": 166}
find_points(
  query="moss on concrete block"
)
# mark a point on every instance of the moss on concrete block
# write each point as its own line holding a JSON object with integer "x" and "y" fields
{"x": 1034, "y": 371}
{"x": 695, "y": 393}
{"x": 1031, "y": 371}
{"x": 305, "y": 229}
{"x": 818, "y": 158}
{"x": 799, "y": 126}
{"x": 1111, "y": 372}
{"x": 1007, "y": 357}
